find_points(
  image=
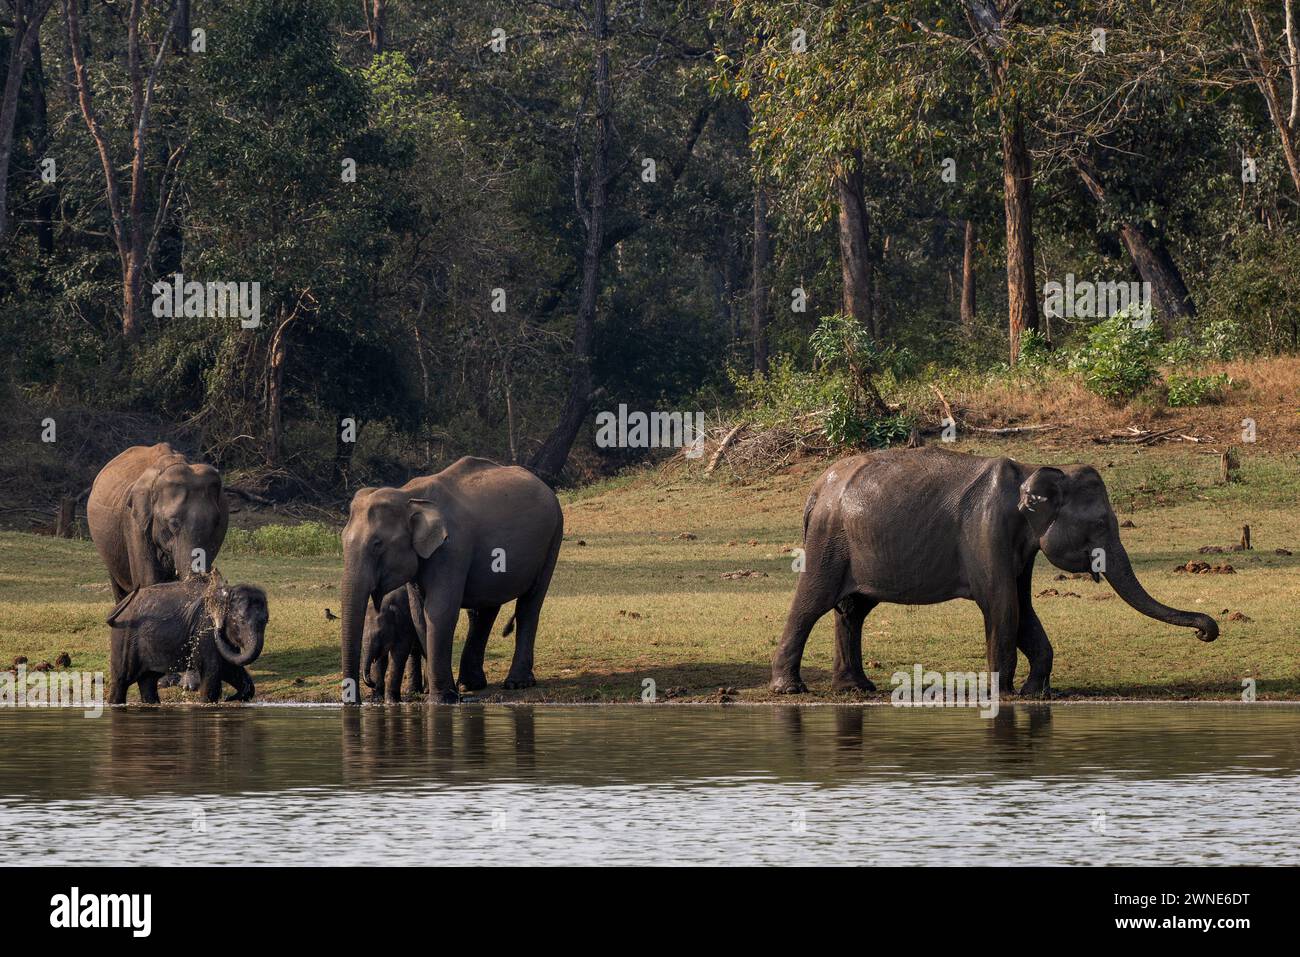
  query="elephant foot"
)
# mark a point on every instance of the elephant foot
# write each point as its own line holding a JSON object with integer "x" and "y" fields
{"x": 473, "y": 681}
{"x": 788, "y": 684}
{"x": 518, "y": 684}
{"x": 1034, "y": 688}
{"x": 852, "y": 683}
{"x": 450, "y": 696}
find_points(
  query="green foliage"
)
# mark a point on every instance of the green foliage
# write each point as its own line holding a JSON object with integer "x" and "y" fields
{"x": 1186, "y": 390}
{"x": 786, "y": 393}
{"x": 305, "y": 540}
{"x": 1118, "y": 359}
{"x": 1254, "y": 293}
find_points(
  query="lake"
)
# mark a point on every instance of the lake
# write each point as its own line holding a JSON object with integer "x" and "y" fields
{"x": 652, "y": 784}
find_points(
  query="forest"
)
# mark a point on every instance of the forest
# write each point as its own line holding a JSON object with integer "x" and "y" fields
{"x": 331, "y": 243}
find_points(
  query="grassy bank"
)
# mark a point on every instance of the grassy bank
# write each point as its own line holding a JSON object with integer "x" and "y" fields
{"x": 647, "y": 587}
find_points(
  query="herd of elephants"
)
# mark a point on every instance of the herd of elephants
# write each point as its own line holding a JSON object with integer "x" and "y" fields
{"x": 912, "y": 526}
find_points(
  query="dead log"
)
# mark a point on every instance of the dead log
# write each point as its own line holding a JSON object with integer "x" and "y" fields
{"x": 725, "y": 444}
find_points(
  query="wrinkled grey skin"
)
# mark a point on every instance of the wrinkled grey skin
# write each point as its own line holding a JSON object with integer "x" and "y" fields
{"x": 439, "y": 533}
{"x": 148, "y": 510}
{"x": 390, "y": 639}
{"x": 919, "y": 526}
{"x": 167, "y": 628}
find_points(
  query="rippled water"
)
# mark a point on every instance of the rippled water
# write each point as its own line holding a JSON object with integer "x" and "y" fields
{"x": 1061, "y": 784}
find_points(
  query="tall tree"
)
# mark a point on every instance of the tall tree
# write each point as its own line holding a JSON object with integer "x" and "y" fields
{"x": 129, "y": 223}
{"x": 549, "y": 459}
{"x": 28, "y": 17}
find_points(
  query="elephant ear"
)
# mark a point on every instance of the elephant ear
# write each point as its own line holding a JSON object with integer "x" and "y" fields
{"x": 1041, "y": 496}
{"x": 111, "y": 621}
{"x": 427, "y": 529}
{"x": 140, "y": 552}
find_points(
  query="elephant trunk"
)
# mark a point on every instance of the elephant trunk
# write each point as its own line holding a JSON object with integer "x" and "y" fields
{"x": 1119, "y": 572}
{"x": 355, "y": 593}
{"x": 367, "y": 672}
{"x": 237, "y": 655}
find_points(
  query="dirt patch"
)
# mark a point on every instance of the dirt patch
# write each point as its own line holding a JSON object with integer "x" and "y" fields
{"x": 1205, "y": 568}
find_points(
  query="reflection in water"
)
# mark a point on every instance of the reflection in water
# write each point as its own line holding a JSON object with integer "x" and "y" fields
{"x": 1036, "y": 784}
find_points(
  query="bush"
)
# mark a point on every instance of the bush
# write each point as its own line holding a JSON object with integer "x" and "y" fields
{"x": 1118, "y": 360}
{"x": 1257, "y": 291}
{"x": 306, "y": 540}
{"x": 1187, "y": 390}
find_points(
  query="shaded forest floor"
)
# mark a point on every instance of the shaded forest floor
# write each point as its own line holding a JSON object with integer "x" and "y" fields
{"x": 684, "y": 579}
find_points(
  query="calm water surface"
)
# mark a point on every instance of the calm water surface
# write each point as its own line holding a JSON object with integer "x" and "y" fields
{"x": 1062, "y": 784}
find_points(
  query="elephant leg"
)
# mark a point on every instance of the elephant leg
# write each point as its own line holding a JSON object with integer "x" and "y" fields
{"x": 812, "y": 599}
{"x": 1032, "y": 640}
{"x": 117, "y": 690}
{"x": 393, "y": 690}
{"x": 1001, "y": 631}
{"x": 528, "y": 612}
{"x": 481, "y": 620}
{"x": 210, "y": 689}
{"x": 441, "y": 611}
{"x": 417, "y": 669}
{"x": 149, "y": 688}
{"x": 849, "y": 616}
{"x": 378, "y": 672}
{"x": 238, "y": 678}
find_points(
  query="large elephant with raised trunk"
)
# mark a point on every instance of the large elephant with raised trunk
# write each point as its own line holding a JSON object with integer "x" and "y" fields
{"x": 149, "y": 510}
{"x": 920, "y": 526}
{"x": 475, "y": 535}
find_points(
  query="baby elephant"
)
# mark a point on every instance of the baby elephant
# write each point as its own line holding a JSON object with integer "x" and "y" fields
{"x": 200, "y": 626}
{"x": 390, "y": 640}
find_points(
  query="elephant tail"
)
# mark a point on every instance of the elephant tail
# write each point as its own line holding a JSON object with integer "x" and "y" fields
{"x": 510, "y": 626}
{"x": 807, "y": 512}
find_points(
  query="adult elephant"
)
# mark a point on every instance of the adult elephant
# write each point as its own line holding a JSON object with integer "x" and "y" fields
{"x": 149, "y": 510}
{"x": 475, "y": 536}
{"x": 919, "y": 526}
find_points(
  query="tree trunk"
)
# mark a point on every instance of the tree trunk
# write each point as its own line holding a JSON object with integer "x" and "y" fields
{"x": 375, "y": 16}
{"x": 855, "y": 249}
{"x": 1284, "y": 124}
{"x": 27, "y": 30}
{"x": 1017, "y": 193}
{"x": 1153, "y": 263}
{"x": 276, "y": 355}
{"x": 968, "y": 277}
{"x": 47, "y": 202}
{"x": 548, "y": 462}
{"x": 762, "y": 255}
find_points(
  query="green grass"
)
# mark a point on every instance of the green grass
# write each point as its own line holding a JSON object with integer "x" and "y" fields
{"x": 634, "y": 597}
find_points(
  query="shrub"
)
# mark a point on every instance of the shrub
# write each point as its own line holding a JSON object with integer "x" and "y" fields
{"x": 1118, "y": 360}
{"x": 1187, "y": 390}
{"x": 305, "y": 540}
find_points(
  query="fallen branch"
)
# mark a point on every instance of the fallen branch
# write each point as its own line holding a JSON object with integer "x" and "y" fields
{"x": 725, "y": 444}
{"x": 1138, "y": 438}
{"x": 947, "y": 409}
{"x": 1013, "y": 429}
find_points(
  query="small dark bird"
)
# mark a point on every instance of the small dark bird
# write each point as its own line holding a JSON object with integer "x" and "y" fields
{"x": 20, "y": 660}
{"x": 45, "y": 666}
{"x": 63, "y": 661}
{"x": 330, "y": 616}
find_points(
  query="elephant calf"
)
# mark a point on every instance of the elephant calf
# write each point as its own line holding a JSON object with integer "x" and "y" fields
{"x": 391, "y": 640}
{"x": 199, "y": 626}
